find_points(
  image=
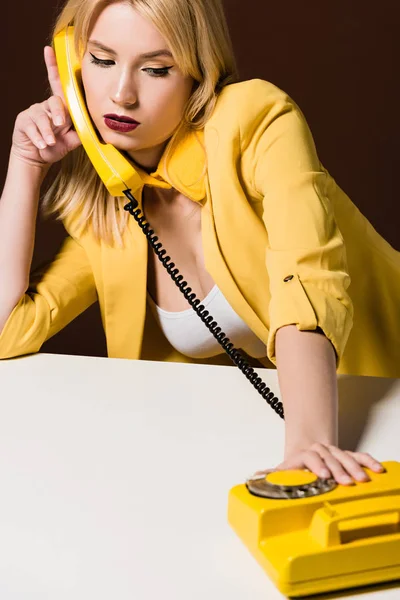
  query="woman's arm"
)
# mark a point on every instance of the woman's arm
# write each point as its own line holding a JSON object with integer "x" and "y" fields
{"x": 308, "y": 276}
{"x": 42, "y": 136}
{"x": 307, "y": 377}
{"x": 306, "y": 364}
{"x": 18, "y": 211}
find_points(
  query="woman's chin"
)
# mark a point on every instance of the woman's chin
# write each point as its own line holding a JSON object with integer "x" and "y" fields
{"x": 121, "y": 141}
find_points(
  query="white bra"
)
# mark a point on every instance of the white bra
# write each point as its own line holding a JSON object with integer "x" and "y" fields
{"x": 189, "y": 335}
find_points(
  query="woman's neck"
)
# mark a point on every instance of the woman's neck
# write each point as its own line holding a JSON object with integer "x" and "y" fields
{"x": 148, "y": 158}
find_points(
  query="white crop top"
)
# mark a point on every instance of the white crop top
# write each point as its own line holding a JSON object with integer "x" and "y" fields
{"x": 188, "y": 334}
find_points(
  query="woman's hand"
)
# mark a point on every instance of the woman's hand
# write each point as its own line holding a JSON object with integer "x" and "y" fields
{"x": 326, "y": 460}
{"x": 43, "y": 133}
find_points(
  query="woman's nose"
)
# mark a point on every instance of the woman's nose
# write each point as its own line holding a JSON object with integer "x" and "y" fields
{"x": 125, "y": 93}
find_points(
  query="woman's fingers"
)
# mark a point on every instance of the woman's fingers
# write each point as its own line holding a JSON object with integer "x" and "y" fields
{"x": 351, "y": 465}
{"x": 342, "y": 467}
{"x": 72, "y": 140}
{"x": 53, "y": 74}
{"x": 41, "y": 117}
{"x": 312, "y": 461}
{"x": 330, "y": 461}
{"x": 366, "y": 460}
{"x": 57, "y": 110}
{"x": 34, "y": 135}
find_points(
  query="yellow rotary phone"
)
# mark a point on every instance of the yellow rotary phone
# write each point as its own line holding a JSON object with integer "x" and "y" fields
{"x": 312, "y": 536}
{"x": 309, "y": 534}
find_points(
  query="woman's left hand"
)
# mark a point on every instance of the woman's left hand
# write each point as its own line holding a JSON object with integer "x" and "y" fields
{"x": 326, "y": 460}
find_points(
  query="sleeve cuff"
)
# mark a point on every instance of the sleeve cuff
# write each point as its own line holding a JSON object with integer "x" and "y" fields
{"x": 26, "y": 328}
{"x": 293, "y": 303}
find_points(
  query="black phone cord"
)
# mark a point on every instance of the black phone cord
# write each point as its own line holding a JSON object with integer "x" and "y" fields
{"x": 234, "y": 354}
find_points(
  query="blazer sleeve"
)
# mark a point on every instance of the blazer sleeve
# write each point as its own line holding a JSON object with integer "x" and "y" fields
{"x": 305, "y": 256}
{"x": 57, "y": 294}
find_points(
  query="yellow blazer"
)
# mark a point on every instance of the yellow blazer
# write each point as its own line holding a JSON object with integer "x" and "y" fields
{"x": 282, "y": 241}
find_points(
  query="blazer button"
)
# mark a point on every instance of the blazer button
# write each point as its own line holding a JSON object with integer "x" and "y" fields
{"x": 288, "y": 278}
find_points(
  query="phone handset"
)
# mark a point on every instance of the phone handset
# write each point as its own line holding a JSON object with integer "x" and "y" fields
{"x": 115, "y": 170}
{"x": 120, "y": 178}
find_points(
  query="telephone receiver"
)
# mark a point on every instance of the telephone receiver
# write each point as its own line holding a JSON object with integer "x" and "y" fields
{"x": 121, "y": 178}
{"x": 114, "y": 169}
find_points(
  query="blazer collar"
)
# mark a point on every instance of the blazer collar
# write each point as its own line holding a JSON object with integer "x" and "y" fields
{"x": 184, "y": 168}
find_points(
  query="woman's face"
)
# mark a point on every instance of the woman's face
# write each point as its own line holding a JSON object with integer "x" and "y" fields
{"x": 128, "y": 71}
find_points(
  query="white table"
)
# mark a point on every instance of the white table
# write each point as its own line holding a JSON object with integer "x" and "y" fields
{"x": 115, "y": 476}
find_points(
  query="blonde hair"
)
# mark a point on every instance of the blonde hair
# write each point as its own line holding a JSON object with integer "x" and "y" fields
{"x": 198, "y": 37}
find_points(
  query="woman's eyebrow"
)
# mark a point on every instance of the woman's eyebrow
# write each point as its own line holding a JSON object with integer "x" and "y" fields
{"x": 154, "y": 54}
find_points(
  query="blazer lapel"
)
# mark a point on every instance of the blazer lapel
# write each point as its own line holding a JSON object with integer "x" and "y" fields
{"x": 214, "y": 249}
{"x": 125, "y": 275}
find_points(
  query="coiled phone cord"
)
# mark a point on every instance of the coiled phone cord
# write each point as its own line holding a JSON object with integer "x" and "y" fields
{"x": 234, "y": 354}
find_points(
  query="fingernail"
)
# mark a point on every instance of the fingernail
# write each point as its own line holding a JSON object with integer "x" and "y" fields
{"x": 50, "y": 140}
{"x": 378, "y": 467}
{"x": 42, "y": 145}
{"x": 257, "y": 475}
{"x": 325, "y": 473}
{"x": 58, "y": 120}
{"x": 346, "y": 479}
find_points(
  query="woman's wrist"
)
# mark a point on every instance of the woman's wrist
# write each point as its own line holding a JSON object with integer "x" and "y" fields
{"x": 37, "y": 171}
{"x": 294, "y": 447}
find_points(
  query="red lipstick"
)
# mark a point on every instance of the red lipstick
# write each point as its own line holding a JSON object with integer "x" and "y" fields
{"x": 120, "y": 123}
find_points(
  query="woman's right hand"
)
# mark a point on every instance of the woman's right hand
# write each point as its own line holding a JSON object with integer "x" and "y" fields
{"x": 44, "y": 134}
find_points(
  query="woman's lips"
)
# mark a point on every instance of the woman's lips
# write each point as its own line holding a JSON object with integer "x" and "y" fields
{"x": 121, "y": 126}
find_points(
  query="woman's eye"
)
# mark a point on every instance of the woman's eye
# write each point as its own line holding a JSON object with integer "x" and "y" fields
{"x": 160, "y": 72}
{"x": 163, "y": 72}
{"x": 101, "y": 62}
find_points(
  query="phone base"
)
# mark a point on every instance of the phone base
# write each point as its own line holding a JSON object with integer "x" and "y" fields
{"x": 344, "y": 538}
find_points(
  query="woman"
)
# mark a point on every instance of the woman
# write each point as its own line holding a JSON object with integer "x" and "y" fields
{"x": 233, "y": 187}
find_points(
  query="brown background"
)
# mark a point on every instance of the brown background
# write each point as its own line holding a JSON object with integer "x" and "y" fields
{"x": 337, "y": 59}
